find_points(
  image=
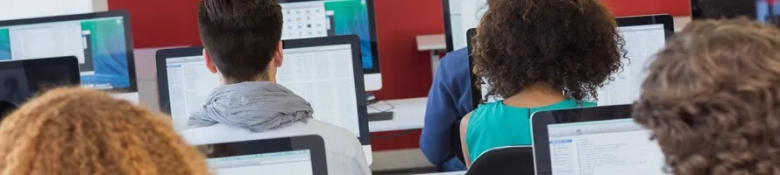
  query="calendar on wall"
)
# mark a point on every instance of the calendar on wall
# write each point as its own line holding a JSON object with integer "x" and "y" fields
{"x": 305, "y": 21}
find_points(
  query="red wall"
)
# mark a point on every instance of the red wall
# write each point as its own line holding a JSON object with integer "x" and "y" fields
{"x": 406, "y": 72}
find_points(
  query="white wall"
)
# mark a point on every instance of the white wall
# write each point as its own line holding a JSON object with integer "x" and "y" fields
{"x": 15, "y": 9}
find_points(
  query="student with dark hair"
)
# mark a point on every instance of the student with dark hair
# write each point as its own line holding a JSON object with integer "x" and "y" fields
{"x": 712, "y": 99}
{"x": 242, "y": 40}
{"x": 537, "y": 55}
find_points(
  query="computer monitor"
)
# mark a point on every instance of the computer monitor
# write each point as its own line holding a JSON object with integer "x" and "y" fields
{"x": 301, "y": 155}
{"x": 762, "y": 10}
{"x": 600, "y": 140}
{"x": 325, "y": 71}
{"x": 22, "y": 79}
{"x": 459, "y": 17}
{"x": 320, "y": 18}
{"x": 644, "y": 36}
{"x": 101, "y": 41}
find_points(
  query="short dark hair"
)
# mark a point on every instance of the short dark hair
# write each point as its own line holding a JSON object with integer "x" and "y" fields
{"x": 241, "y": 36}
{"x": 711, "y": 99}
{"x": 573, "y": 45}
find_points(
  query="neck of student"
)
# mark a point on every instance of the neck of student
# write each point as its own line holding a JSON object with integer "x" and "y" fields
{"x": 535, "y": 95}
{"x": 260, "y": 78}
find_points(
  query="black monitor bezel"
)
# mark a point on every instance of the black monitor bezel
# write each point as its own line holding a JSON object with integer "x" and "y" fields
{"x": 540, "y": 121}
{"x": 353, "y": 40}
{"x": 118, "y": 13}
{"x": 375, "y": 68}
{"x": 314, "y": 143}
{"x": 445, "y": 4}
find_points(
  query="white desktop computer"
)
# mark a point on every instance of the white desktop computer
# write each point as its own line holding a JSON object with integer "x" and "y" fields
{"x": 102, "y": 43}
{"x": 320, "y": 18}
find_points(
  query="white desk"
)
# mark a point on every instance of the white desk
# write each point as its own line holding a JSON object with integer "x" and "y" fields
{"x": 434, "y": 44}
{"x": 408, "y": 114}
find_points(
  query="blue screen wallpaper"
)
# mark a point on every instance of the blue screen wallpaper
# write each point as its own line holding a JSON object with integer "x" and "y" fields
{"x": 5, "y": 45}
{"x": 109, "y": 54}
{"x": 351, "y": 18}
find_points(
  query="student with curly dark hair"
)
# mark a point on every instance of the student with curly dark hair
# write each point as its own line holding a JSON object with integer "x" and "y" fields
{"x": 712, "y": 99}
{"x": 537, "y": 55}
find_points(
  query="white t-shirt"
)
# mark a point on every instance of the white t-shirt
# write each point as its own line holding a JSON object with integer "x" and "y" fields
{"x": 343, "y": 151}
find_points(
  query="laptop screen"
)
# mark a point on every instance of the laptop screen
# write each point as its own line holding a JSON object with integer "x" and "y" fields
{"x": 606, "y": 147}
{"x": 291, "y": 162}
{"x": 18, "y": 83}
{"x": 323, "y": 75}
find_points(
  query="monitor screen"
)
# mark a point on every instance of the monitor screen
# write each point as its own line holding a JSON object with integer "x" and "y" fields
{"x": 323, "y": 75}
{"x": 98, "y": 43}
{"x": 642, "y": 42}
{"x": 459, "y": 17}
{"x": 319, "y": 18}
{"x": 604, "y": 147}
{"x": 19, "y": 84}
{"x": 761, "y": 10}
{"x": 290, "y": 162}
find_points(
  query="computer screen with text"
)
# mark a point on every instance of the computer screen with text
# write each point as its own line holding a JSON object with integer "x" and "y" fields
{"x": 611, "y": 147}
{"x": 323, "y": 75}
{"x": 642, "y": 42}
{"x": 292, "y": 163}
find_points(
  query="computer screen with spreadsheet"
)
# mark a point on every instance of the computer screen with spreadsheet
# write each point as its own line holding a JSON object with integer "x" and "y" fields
{"x": 641, "y": 44}
{"x": 606, "y": 147}
{"x": 323, "y": 75}
{"x": 291, "y": 162}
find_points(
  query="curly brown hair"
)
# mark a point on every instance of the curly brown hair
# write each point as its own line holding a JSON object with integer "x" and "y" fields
{"x": 712, "y": 99}
{"x": 74, "y": 131}
{"x": 572, "y": 45}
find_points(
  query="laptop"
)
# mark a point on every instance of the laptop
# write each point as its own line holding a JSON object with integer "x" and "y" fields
{"x": 600, "y": 140}
{"x": 301, "y": 155}
{"x": 21, "y": 80}
{"x": 325, "y": 71}
{"x": 644, "y": 36}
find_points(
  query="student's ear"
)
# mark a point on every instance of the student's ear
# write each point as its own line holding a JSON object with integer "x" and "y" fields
{"x": 279, "y": 57}
{"x": 209, "y": 63}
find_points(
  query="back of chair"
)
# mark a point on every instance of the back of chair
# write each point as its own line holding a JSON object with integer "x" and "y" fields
{"x": 515, "y": 160}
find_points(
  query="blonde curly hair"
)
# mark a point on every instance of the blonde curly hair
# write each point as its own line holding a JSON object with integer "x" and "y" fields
{"x": 712, "y": 99}
{"x": 74, "y": 131}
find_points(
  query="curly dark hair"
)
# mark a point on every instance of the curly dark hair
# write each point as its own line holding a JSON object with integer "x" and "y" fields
{"x": 712, "y": 99}
{"x": 572, "y": 45}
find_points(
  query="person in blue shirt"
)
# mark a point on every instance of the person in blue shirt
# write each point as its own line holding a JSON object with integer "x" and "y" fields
{"x": 448, "y": 101}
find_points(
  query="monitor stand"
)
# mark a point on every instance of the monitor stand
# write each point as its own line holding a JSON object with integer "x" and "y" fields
{"x": 380, "y": 116}
{"x": 375, "y": 114}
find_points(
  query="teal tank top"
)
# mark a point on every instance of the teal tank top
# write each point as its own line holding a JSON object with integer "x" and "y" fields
{"x": 494, "y": 125}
